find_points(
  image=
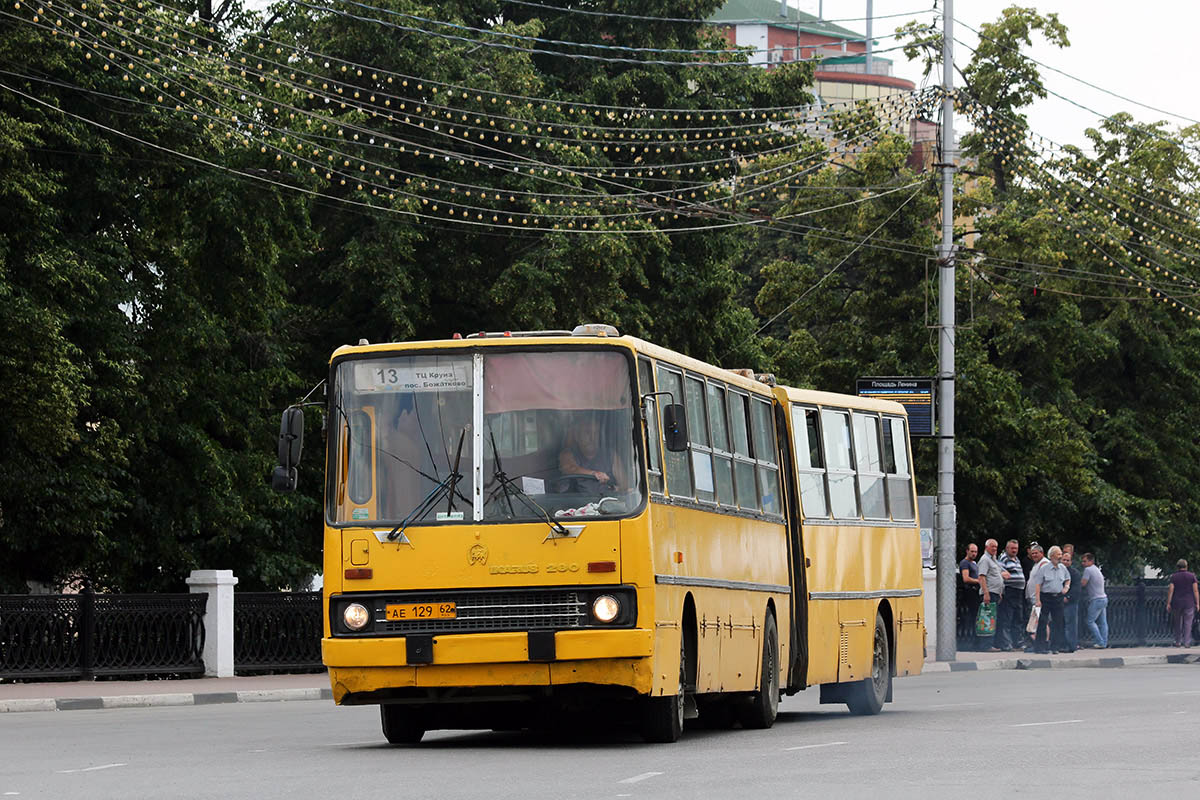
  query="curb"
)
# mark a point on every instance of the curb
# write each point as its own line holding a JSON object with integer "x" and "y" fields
{"x": 161, "y": 700}
{"x": 1098, "y": 662}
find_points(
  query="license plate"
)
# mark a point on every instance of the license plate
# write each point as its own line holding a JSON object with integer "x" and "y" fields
{"x": 405, "y": 612}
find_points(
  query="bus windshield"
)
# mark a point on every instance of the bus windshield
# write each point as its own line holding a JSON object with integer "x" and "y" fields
{"x": 557, "y": 439}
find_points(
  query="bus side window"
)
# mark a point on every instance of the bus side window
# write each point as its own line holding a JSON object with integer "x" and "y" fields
{"x": 765, "y": 454}
{"x": 843, "y": 499}
{"x": 653, "y": 446}
{"x": 702, "y": 467}
{"x": 870, "y": 465}
{"x": 679, "y": 474}
{"x": 895, "y": 463}
{"x": 810, "y": 465}
{"x": 743, "y": 466}
{"x": 722, "y": 456}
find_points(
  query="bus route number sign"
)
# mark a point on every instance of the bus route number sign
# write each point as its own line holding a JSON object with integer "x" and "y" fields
{"x": 915, "y": 394}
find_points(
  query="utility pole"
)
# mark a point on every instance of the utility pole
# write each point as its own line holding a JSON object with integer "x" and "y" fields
{"x": 946, "y": 523}
{"x": 870, "y": 42}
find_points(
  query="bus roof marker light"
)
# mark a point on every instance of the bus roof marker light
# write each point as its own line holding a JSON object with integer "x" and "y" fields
{"x": 595, "y": 329}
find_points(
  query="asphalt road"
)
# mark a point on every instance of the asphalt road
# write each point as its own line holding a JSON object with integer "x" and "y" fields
{"x": 1044, "y": 734}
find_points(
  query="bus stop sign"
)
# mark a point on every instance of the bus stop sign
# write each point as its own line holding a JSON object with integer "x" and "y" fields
{"x": 915, "y": 394}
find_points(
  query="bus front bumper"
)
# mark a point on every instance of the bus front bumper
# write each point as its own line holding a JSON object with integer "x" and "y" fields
{"x": 362, "y": 668}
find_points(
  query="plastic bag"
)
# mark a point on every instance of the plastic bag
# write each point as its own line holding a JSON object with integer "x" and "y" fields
{"x": 1031, "y": 626}
{"x": 985, "y": 622}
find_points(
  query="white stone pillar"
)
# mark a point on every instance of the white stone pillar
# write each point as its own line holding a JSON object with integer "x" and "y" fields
{"x": 218, "y": 619}
{"x": 931, "y": 618}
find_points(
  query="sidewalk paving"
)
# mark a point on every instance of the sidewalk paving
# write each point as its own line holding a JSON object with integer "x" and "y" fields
{"x": 79, "y": 695}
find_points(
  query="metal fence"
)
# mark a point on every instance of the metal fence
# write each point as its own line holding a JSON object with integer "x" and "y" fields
{"x": 90, "y": 635}
{"x": 277, "y": 632}
{"x": 1137, "y": 617}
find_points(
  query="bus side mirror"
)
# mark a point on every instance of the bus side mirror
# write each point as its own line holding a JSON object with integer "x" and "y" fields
{"x": 291, "y": 440}
{"x": 674, "y": 428}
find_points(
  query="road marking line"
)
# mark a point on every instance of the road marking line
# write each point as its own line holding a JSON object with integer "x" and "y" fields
{"x": 954, "y": 705}
{"x": 641, "y": 777}
{"x": 355, "y": 744}
{"x": 90, "y": 769}
{"x": 1190, "y": 691}
{"x": 1057, "y": 722}
{"x": 811, "y": 746}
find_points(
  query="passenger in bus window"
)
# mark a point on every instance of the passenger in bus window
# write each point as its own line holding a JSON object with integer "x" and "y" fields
{"x": 585, "y": 452}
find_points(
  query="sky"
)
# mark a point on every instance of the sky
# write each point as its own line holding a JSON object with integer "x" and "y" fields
{"x": 1145, "y": 51}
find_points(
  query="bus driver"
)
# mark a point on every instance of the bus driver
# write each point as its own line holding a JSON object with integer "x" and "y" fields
{"x": 584, "y": 454}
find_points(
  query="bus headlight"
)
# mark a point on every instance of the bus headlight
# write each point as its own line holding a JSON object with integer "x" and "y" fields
{"x": 606, "y": 608}
{"x": 356, "y": 616}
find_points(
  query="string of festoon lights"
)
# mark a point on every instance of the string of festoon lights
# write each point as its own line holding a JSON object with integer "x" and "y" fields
{"x": 526, "y": 220}
{"x": 451, "y": 184}
{"x": 1026, "y": 154}
{"x": 678, "y": 170}
{"x": 157, "y": 19}
{"x": 1100, "y": 193}
{"x": 342, "y": 177}
{"x": 725, "y": 57}
{"x": 542, "y": 134}
{"x": 756, "y": 179}
{"x": 1094, "y": 195}
{"x": 1159, "y": 196}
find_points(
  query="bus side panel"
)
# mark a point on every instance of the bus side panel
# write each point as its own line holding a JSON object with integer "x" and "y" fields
{"x": 909, "y": 611}
{"x": 695, "y": 545}
{"x": 821, "y": 575}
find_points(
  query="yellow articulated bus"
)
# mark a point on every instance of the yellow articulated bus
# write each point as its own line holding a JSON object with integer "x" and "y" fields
{"x": 519, "y": 525}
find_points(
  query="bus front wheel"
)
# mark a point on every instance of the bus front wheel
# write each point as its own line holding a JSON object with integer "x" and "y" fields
{"x": 662, "y": 717}
{"x": 866, "y": 697}
{"x": 401, "y": 725}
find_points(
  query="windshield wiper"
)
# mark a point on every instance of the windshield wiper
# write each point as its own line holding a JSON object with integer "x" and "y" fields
{"x": 511, "y": 489}
{"x": 444, "y": 487}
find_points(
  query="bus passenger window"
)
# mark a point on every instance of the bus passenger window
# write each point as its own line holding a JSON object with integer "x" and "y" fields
{"x": 810, "y": 466}
{"x": 722, "y": 460}
{"x": 743, "y": 466}
{"x": 702, "y": 468}
{"x": 895, "y": 462}
{"x": 764, "y": 452}
{"x": 870, "y": 466}
{"x": 679, "y": 473}
{"x": 843, "y": 499}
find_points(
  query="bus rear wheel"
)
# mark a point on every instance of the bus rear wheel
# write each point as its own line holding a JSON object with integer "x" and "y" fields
{"x": 866, "y": 697}
{"x": 764, "y": 704}
{"x": 662, "y": 717}
{"x": 401, "y": 725}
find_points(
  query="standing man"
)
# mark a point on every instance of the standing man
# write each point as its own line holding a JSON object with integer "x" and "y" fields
{"x": 968, "y": 570}
{"x": 1097, "y": 601}
{"x": 1071, "y": 603}
{"x": 1183, "y": 599}
{"x": 1037, "y": 561}
{"x": 991, "y": 588}
{"x": 1011, "y": 622}
{"x": 1051, "y": 581}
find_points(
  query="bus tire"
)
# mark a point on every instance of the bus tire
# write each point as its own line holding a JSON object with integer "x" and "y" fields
{"x": 866, "y": 697}
{"x": 662, "y": 717}
{"x": 763, "y": 707}
{"x": 401, "y": 725}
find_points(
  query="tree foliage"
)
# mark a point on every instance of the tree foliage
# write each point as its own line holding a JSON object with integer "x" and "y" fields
{"x": 168, "y": 286}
